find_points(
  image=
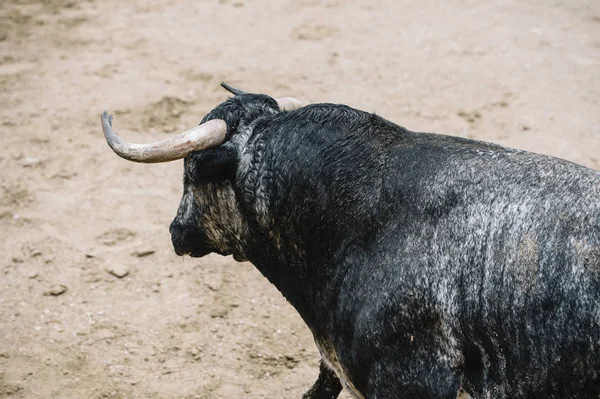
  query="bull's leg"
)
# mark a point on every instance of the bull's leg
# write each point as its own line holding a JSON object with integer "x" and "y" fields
{"x": 327, "y": 386}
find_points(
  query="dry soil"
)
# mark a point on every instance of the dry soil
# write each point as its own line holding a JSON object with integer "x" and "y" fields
{"x": 73, "y": 215}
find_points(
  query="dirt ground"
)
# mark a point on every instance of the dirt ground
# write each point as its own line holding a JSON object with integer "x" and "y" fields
{"x": 522, "y": 74}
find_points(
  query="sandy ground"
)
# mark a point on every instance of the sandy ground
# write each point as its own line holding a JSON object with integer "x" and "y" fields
{"x": 523, "y": 74}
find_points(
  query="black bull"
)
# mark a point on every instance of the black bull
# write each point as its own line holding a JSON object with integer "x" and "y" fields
{"x": 420, "y": 262}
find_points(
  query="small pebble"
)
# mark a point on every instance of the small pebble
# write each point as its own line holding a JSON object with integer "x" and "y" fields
{"x": 213, "y": 285}
{"x": 119, "y": 271}
{"x": 155, "y": 288}
{"x": 187, "y": 313}
{"x": 219, "y": 312}
{"x": 196, "y": 353}
{"x": 56, "y": 290}
{"x": 30, "y": 161}
{"x": 143, "y": 252}
{"x": 35, "y": 253}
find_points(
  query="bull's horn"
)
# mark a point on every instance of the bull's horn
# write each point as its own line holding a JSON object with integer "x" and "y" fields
{"x": 288, "y": 103}
{"x": 285, "y": 103}
{"x": 209, "y": 134}
{"x": 232, "y": 89}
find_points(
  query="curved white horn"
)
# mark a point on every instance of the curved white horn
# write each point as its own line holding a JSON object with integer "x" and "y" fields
{"x": 209, "y": 134}
{"x": 288, "y": 103}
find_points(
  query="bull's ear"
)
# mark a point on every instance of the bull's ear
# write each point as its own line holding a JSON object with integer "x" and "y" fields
{"x": 214, "y": 164}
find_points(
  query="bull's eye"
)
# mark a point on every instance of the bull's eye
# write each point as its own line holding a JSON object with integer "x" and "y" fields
{"x": 212, "y": 165}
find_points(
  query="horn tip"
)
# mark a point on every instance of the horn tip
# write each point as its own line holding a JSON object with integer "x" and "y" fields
{"x": 289, "y": 103}
{"x": 231, "y": 89}
{"x": 106, "y": 120}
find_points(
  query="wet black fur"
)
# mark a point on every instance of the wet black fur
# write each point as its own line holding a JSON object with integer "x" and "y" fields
{"x": 426, "y": 261}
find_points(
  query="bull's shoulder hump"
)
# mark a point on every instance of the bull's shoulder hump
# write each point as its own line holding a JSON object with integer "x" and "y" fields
{"x": 322, "y": 112}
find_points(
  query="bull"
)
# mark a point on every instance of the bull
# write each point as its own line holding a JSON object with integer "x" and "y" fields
{"x": 421, "y": 263}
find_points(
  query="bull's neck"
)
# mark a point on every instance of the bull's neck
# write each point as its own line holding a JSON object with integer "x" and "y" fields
{"x": 304, "y": 278}
{"x": 286, "y": 238}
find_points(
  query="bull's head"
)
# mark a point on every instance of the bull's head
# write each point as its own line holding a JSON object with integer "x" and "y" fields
{"x": 208, "y": 219}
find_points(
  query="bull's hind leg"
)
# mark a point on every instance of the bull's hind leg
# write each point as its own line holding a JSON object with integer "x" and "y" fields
{"x": 327, "y": 386}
